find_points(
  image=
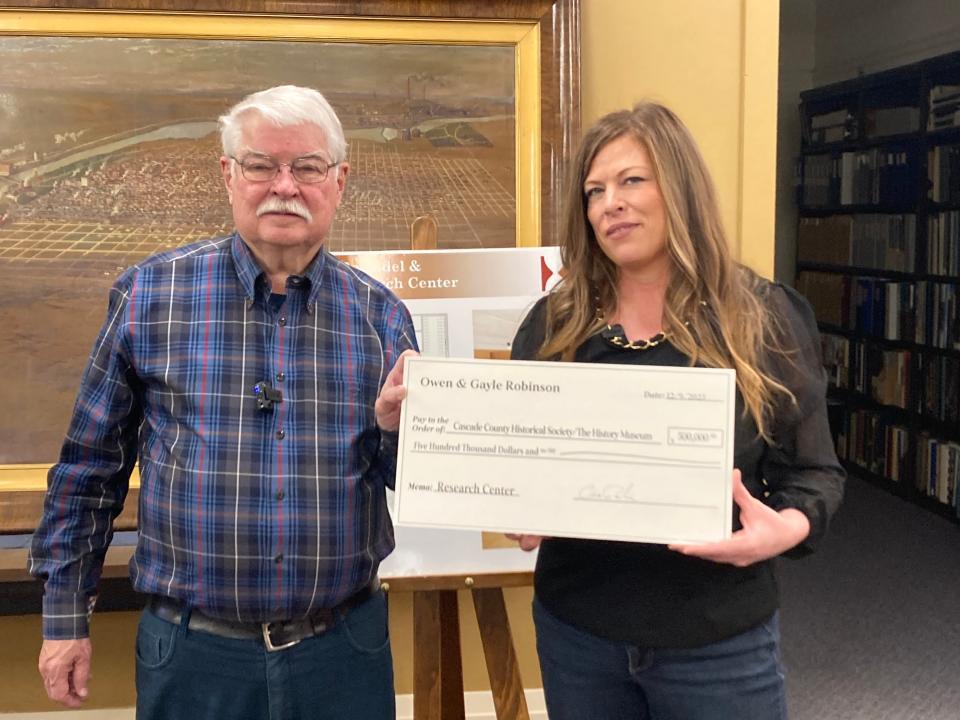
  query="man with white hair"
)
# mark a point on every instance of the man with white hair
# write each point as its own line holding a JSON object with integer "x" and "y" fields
{"x": 257, "y": 380}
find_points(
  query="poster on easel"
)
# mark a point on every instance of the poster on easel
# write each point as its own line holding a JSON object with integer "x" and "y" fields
{"x": 464, "y": 303}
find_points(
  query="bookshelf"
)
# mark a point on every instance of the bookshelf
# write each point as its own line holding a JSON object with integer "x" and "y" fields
{"x": 878, "y": 257}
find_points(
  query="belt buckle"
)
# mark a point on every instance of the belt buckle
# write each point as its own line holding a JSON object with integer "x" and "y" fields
{"x": 268, "y": 641}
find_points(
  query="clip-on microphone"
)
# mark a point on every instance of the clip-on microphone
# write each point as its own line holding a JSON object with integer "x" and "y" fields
{"x": 266, "y": 395}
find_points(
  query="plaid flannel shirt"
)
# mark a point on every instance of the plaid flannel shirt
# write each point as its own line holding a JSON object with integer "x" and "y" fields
{"x": 249, "y": 514}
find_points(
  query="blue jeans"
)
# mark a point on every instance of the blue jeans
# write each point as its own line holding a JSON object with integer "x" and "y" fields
{"x": 584, "y": 676}
{"x": 346, "y": 672}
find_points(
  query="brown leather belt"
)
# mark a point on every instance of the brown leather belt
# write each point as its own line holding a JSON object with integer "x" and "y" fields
{"x": 276, "y": 635}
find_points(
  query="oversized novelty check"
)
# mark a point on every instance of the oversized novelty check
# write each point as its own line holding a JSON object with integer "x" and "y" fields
{"x": 616, "y": 452}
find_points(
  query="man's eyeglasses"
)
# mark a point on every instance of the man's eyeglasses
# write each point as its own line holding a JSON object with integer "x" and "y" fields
{"x": 308, "y": 170}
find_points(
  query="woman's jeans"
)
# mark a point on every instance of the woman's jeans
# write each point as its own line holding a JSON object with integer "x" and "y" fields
{"x": 590, "y": 678}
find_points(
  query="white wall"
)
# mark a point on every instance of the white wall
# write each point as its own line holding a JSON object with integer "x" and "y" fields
{"x": 856, "y": 37}
{"x": 797, "y": 25}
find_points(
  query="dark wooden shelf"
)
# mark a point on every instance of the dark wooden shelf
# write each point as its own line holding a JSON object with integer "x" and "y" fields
{"x": 884, "y": 342}
{"x": 944, "y": 136}
{"x": 862, "y": 401}
{"x": 939, "y": 428}
{"x": 942, "y": 206}
{"x": 830, "y": 148}
{"x": 859, "y": 271}
{"x": 903, "y": 141}
{"x": 859, "y": 209}
{"x": 858, "y": 104}
{"x": 856, "y": 400}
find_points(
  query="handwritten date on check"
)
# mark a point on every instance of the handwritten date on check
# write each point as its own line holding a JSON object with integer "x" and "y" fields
{"x": 614, "y": 452}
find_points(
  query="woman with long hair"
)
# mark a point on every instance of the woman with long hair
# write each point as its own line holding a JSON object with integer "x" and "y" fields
{"x": 635, "y": 630}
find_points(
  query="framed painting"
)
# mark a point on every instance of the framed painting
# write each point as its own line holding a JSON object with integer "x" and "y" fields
{"x": 463, "y": 111}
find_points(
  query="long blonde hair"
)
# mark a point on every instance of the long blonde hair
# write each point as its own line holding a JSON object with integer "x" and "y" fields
{"x": 712, "y": 312}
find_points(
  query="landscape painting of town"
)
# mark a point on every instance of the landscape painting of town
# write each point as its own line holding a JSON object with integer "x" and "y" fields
{"x": 109, "y": 152}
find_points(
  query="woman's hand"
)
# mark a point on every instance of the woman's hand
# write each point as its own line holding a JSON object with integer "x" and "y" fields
{"x": 766, "y": 532}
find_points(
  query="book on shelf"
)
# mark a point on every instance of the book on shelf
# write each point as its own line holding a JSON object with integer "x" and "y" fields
{"x": 944, "y": 107}
{"x": 876, "y": 176}
{"x": 884, "y": 242}
{"x": 887, "y": 373}
{"x": 835, "y": 117}
{"x": 942, "y": 316}
{"x": 898, "y": 445}
{"x": 939, "y": 93}
{"x": 873, "y": 240}
{"x": 942, "y": 115}
{"x": 874, "y": 444}
{"x": 866, "y": 310}
{"x": 836, "y": 359}
{"x": 943, "y": 243}
{"x": 915, "y": 311}
{"x": 832, "y": 126}
{"x": 882, "y": 308}
{"x": 941, "y": 382}
{"x": 944, "y": 173}
{"x": 938, "y": 468}
{"x": 874, "y": 307}
{"x": 851, "y": 190}
{"x": 820, "y": 177}
{"x": 896, "y": 178}
{"x": 880, "y": 122}
{"x": 826, "y": 240}
{"x": 827, "y": 293}
{"x": 949, "y": 472}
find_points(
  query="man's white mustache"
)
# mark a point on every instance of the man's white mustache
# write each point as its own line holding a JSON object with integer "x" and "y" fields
{"x": 278, "y": 205}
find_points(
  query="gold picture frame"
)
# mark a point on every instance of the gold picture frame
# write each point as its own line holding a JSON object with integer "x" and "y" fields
{"x": 543, "y": 33}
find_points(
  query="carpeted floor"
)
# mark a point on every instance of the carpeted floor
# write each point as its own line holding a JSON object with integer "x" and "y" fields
{"x": 871, "y": 623}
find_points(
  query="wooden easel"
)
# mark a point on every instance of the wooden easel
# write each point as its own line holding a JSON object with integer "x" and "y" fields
{"x": 437, "y": 662}
{"x": 423, "y": 233}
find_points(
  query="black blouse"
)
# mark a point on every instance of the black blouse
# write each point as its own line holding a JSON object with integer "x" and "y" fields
{"x": 650, "y": 596}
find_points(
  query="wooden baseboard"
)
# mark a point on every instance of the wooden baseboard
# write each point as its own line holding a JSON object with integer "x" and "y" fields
{"x": 477, "y": 705}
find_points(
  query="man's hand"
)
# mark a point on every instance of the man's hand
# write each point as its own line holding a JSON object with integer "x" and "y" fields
{"x": 527, "y": 542}
{"x": 766, "y": 532}
{"x": 65, "y": 668}
{"x": 387, "y": 407}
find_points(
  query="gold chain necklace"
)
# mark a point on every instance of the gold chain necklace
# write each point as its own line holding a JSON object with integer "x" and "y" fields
{"x": 620, "y": 340}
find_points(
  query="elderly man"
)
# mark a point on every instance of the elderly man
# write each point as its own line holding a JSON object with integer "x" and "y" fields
{"x": 257, "y": 380}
